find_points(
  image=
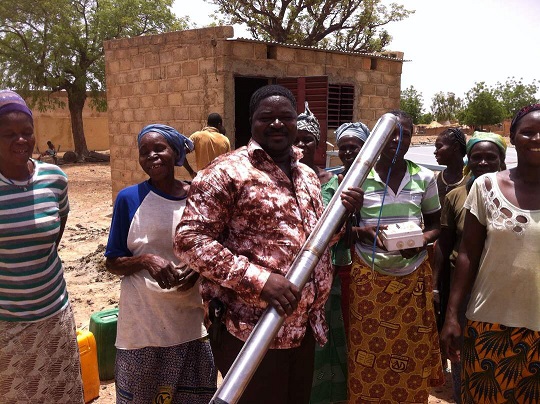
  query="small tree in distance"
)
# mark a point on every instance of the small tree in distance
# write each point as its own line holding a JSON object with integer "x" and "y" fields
{"x": 446, "y": 107}
{"x": 483, "y": 107}
{"x": 515, "y": 94}
{"x": 349, "y": 25}
{"x": 412, "y": 102}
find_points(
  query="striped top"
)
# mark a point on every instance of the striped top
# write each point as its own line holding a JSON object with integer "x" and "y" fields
{"x": 417, "y": 195}
{"x": 32, "y": 285}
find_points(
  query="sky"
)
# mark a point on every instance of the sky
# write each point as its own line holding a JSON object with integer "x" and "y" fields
{"x": 450, "y": 44}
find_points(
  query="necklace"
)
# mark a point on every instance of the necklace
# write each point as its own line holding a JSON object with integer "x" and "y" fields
{"x": 24, "y": 187}
{"x": 455, "y": 184}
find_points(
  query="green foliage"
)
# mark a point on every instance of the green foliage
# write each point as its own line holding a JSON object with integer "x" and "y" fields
{"x": 52, "y": 45}
{"x": 483, "y": 107}
{"x": 514, "y": 95}
{"x": 349, "y": 25}
{"x": 446, "y": 107}
{"x": 426, "y": 118}
{"x": 412, "y": 102}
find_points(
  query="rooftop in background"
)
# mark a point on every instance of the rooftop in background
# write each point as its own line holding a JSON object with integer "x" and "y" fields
{"x": 389, "y": 55}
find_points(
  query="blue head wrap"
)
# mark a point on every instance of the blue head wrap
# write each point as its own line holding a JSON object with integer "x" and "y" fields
{"x": 357, "y": 129}
{"x": 10, "y": 101}
{"x": 175, "y": 139}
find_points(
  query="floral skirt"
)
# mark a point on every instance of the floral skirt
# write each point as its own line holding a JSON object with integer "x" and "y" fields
{"x": 394, "y": 353}
{"x": 500, "y": 364}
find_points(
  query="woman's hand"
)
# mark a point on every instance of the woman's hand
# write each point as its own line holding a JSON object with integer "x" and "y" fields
{"x": 188, "y": 278}
{"x": 411, "y": 252}
{"x": 450, "y": 339}
{"x": 369, "y": 233}
{"x": 163, "y": 271}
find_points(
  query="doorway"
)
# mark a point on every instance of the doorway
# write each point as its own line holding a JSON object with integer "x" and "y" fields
{"x": 244, "y": 87}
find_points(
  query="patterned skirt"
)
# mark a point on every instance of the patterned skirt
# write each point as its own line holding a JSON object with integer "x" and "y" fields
{"x": 40, "y": 362}
{"x": 179, "y": 374}
{"x": 500, "y": 364}
{"x": 394, "y": 353}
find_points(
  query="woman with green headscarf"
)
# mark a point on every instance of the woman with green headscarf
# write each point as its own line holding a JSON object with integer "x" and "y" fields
{"x": 498, "y": 265}
{"x": 485, "y": 154}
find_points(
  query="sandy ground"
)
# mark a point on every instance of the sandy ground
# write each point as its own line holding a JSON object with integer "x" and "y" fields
{"x": 91, "y": 287}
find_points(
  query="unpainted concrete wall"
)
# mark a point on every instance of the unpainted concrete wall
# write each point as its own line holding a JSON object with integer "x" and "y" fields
{"x": 178, "y": 78}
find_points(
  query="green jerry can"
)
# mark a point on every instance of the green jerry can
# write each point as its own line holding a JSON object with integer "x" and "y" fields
{"x": 103, "y": 326}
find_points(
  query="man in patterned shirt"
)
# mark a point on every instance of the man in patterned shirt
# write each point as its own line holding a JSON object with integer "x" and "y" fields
{"x": 247, "y": 216}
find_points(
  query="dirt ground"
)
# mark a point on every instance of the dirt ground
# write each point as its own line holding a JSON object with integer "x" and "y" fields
{"x": 91, "y": 288}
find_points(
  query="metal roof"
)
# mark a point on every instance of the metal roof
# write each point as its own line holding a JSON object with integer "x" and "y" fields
{"x": 375, "y": 55}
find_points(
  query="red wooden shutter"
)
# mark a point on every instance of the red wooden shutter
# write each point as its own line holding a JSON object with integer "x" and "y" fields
{"x": 314, "y": 90}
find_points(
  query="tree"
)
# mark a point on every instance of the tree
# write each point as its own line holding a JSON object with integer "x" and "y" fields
{"x": 53, "y": 45}
{"x": 483, "y": 108}
{"x": 514, "y": 95}
{"x": 412, "y": 102}
{"x": 446, "y": 107}
{"x": 426, "y": 118}
{"x": 349, "y": 25}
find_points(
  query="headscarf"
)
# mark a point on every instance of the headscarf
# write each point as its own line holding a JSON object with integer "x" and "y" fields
{"x": 357, "y": 129}
{"x": 10, "y": 101}
{"x": 175, "y": 139}
{"x": 308, "y": 122}
{"x": 521, "y": 113}
{"x": 478, "y": 137}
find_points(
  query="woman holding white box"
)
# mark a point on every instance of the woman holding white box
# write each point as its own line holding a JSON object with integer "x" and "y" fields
{"x": 394, "y": 351}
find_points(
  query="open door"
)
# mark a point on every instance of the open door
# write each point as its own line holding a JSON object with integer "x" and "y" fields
{"x": 314, "y": 90}
{"x": 244, "y": 87}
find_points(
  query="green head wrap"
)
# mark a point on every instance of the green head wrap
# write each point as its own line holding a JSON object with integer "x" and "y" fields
{"x": 487, "y": 137}
{"x": 478, "y": 137}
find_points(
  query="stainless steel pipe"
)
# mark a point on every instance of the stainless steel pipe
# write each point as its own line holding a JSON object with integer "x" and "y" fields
{"x": 263, "y": 334}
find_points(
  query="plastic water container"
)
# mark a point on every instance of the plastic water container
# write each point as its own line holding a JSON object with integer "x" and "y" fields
{"x": 103, "y": 326}
{"x": 89, "y": 364}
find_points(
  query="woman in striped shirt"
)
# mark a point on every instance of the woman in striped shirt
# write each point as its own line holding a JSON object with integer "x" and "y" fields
{"x": 393, "y": 343}
{"x": 38, "y": 343}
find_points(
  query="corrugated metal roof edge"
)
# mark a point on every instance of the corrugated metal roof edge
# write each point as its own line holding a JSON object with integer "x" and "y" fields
{"x": 376, "y": 55}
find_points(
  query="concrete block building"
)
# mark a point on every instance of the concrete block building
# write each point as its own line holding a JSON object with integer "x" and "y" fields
{"x": 178, "y": 78}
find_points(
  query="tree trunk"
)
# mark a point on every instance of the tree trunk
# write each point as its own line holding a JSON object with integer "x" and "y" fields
{"x": 76, "y": 100}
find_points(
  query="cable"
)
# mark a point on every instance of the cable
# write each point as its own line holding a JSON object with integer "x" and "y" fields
{"x": 384, "y": 196}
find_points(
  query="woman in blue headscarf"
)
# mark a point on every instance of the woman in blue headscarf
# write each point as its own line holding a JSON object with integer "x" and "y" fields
{"x": 161, "y": 352}
{"x": 350, "y": 137}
